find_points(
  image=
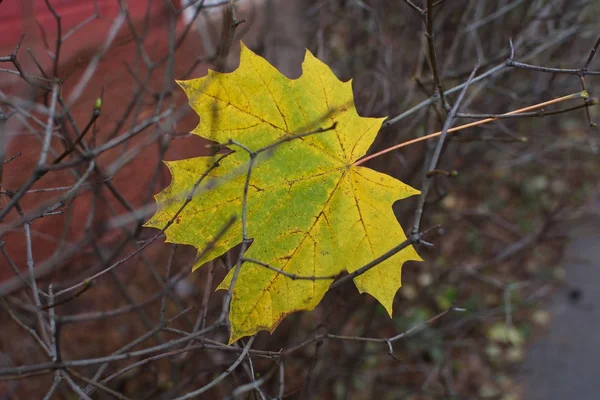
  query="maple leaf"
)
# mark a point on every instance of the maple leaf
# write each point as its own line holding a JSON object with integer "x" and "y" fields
{"x": 310, "y": 212}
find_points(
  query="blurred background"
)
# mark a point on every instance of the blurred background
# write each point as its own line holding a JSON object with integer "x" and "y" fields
{"x": 89, "y": 108}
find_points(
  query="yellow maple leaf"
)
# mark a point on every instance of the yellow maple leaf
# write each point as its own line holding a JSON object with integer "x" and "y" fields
{"x": 310, "y": 212}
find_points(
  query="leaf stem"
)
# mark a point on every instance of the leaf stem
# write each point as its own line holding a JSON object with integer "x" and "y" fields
{"x": 582, "y": 94}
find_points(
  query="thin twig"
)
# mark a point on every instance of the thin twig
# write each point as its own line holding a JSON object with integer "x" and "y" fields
{"x": 219, "y": 378}
{"x": 435, "y": 158}
{"x": 472, "y": 124}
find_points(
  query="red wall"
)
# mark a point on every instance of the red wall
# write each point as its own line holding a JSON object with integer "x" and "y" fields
{"x": 21, "y": 16}
{"x": 110, "y": 79}
{"x": 17, "y": 17}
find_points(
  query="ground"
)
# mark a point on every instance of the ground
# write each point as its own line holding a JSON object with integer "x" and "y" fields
{"x": 564, "y": 363}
